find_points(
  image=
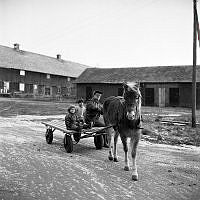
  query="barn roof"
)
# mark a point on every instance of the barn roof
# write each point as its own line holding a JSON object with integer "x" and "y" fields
{"x": 10, "y": 58}
{"x": 141, "y": 74}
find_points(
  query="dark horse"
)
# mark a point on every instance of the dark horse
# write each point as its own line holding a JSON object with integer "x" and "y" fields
{"x": 124, "y": 114}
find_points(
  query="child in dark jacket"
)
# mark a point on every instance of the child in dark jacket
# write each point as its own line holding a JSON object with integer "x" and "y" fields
{"x": 72, "y": 120}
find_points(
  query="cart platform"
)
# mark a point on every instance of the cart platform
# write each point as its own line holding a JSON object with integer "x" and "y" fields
{"x": 95, "y": 132}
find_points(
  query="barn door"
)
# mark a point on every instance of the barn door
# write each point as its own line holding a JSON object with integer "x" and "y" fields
{"x": 161, "y": 97}
{"x": 149, "y": 96}
{"x": 174, "y": 96}
{"x": 88, "y": 93}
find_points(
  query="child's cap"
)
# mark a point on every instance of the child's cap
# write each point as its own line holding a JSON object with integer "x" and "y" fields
{"x": 80, "y": 101}
{"x": 70, "y": 107}
{"x": 97, "y": 92}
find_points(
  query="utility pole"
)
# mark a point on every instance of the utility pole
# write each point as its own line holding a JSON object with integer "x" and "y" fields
{"x": 194, "y": 65}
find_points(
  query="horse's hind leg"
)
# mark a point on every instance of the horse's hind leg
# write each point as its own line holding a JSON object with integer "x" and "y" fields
{"x": 110, "y": 135}
{"x": 134, "y": 145}
{"x": 115, "y": 146}
{"x": 124, "y": 142}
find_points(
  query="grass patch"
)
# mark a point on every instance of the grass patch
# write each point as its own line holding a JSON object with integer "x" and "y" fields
{"x": 168, "y": 133}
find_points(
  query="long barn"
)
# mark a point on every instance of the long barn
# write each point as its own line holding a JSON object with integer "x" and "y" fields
{"x": 33, "y": 75}
{"x": 160, "y": 86}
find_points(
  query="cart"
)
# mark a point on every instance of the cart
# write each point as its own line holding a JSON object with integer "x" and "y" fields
{"x": 72, "y": 137}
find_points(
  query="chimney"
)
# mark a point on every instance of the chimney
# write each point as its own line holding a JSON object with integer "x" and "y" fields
{"x": 58, "y": 57}
{"x": 16, "y": 46}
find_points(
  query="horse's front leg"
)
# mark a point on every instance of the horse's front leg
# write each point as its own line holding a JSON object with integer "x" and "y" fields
{"x": 134, "y": 144}
{"x": 126, "y": 160}
{"x": 110, "y": 136}
{"x": 115, "y": 146}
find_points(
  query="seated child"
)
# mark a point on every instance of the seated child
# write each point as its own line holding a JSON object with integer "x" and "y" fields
{"x": 71, "y": 119}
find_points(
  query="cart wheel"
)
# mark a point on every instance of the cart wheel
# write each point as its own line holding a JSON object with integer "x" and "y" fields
{"x": 68, "y": 144}
{"x": 49, "y": 136}
{"x": 98, "y": 141}
{"x": 77, "y": 136}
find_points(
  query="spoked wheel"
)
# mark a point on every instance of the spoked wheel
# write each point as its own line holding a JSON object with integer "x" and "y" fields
{"x": 68, "y": 144}
{"x": 49, "y": 136}
{"x": 98, "y": 141}
{"x": 77, "y": 136}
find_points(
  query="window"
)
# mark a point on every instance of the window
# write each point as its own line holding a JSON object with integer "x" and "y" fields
{"x": 6, "y": 87}
{"x": 68, "y": 78}
{"x": 47, "y": 91}
{"x": 22, "y": 72}
{"x": 59, "y": 90}
{"x": 35, "y": 87}
{"x": 21, "y": 87}
{"x": 48, "y": 76}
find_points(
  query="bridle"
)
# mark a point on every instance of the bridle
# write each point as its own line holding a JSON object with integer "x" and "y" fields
{"x": 136, "y": 105}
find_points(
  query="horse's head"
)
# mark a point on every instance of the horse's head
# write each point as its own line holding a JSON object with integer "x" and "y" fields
{"x": 132, "y": 98}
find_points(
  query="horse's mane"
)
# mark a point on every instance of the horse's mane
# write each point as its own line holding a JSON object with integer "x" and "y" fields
{"x": 114, "y": 108}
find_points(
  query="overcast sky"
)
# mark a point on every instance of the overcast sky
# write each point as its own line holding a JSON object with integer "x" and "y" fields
{"x": 102, "y": 33}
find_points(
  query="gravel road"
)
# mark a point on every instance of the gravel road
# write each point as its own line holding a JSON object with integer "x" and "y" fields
{"x": 32, "y": 169}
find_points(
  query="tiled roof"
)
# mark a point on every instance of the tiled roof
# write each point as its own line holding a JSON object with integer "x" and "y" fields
{"x": 10, "y": 58}
{"x": 141, "y": 74}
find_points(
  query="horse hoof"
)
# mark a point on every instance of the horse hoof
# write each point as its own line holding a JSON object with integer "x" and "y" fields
{"x": 116, "y": 160}
{"x": 110, "y": 158}
{"x": 126, "y": 168}
{"x": 135, "y": 177}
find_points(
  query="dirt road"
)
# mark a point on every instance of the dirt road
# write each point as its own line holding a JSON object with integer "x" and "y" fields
{"x": 32, "y": 169}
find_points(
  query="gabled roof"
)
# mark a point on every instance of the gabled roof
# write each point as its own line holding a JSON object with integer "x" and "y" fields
{"x": 141, "y": 74}
{"x": 10, "y": 58}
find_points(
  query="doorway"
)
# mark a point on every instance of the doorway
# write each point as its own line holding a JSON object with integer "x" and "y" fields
{"x": 149, "y": 96}
{"x": 174, "y": 96}
{"x": 88, "y": 93}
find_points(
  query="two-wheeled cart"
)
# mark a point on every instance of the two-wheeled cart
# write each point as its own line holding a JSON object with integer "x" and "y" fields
{"x": 70, "y": 135}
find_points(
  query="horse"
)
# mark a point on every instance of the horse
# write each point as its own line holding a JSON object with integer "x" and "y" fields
{"x": 124, "y": 114}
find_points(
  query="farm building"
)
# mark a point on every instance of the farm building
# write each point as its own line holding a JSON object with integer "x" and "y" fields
{"x": 34, "y": 75}
{"x": 160, "y": 86}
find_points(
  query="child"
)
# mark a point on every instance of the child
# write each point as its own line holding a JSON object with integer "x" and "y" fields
{"x": 71, "y": 119}
{"x": 80, "y": 109}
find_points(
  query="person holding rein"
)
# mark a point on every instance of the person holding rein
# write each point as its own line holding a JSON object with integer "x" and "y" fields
{"x": 94, "y": 110}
